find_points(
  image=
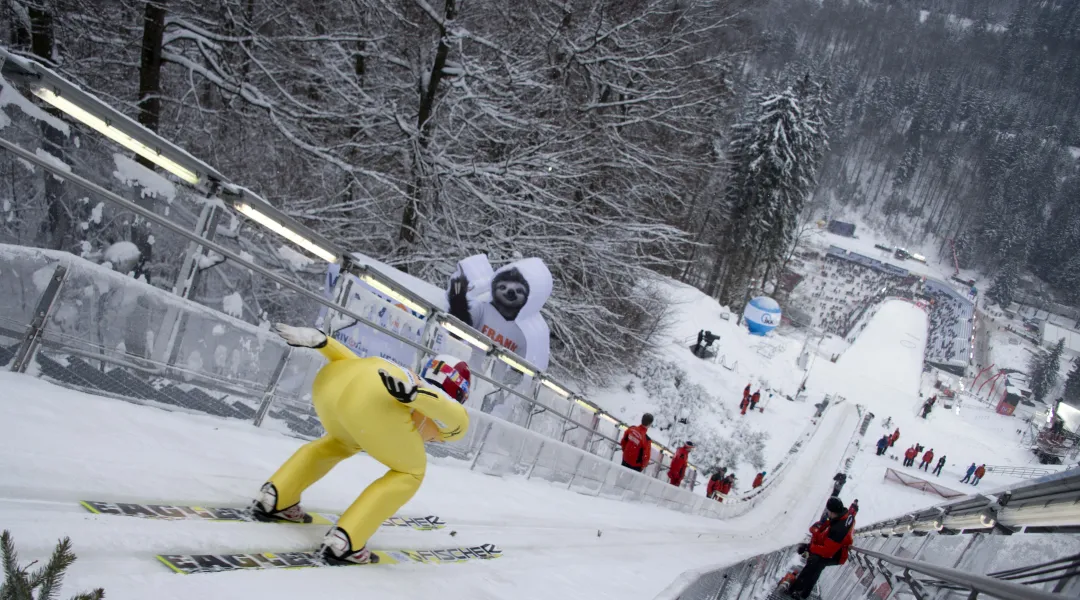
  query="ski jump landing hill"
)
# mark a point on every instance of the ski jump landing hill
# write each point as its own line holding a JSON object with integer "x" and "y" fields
{"x": 66, "y": 445}
{"x": 851, "y": 286}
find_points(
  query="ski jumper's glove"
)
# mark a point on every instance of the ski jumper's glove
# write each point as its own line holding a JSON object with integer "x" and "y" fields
{"x": 300, "y": 337}
{"x": 398, "y": 389}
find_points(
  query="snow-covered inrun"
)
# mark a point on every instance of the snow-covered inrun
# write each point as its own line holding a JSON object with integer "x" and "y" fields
{"x": 62, "y": 446}
{"x": 70, "y": 446}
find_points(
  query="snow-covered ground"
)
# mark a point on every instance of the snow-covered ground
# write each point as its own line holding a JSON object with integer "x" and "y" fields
{"x": 723, "y": 436}
{"x": 67, "y": 446}
{"x": 882, "y": 371}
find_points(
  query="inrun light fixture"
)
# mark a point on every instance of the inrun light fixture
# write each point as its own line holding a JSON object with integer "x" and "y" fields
{"x": 589, "y": 407}
{"x": 277, "y": 227}
{"x": 558, "y": 389}
{"x": 104, "y": 128}
{"x": 389, "y": 291}
{"x": 517, "y": 366}
{"x": 468, "y": 337}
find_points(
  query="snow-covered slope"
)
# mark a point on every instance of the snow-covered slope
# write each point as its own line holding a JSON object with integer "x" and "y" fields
{"x": 882, "y": 370}
{"x": 68, "y": 445}
{"x": 707, "y": 392}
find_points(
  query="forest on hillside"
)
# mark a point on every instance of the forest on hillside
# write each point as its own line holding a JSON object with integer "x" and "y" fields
{"x": 615, "y": 139}
{"x": 953, "y": 120}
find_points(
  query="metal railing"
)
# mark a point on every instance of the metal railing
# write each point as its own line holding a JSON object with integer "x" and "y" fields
{"x": 1023, "y": 472}
{"x": 1042, "y": 562}
{"x": 195, "y": 174}
{"x": 84, "y": 326}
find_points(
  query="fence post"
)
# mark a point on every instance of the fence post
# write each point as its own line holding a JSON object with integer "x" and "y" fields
{"x": 427, "y": 340}
{"x": 271, "y": 388}
{"x": 480, "y": 449}
{"x": 25, "y": 354}
{"x": 576, "y": 467}
{"x": 536, "y": 460}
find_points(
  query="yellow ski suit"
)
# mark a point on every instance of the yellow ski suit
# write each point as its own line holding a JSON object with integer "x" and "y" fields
{"x": 359, "y": 414}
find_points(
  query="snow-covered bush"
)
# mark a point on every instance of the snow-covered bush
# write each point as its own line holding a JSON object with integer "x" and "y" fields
{"x": 689, "y": 411}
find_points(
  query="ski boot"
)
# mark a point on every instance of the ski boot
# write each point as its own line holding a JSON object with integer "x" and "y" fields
{"x": 265, "y": 508}
{"x": 337, "y": 550}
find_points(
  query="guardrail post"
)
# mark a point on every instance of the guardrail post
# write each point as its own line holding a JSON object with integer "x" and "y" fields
{"x": 271, "y": 388}
{"x": 28, "y": 348}
{"x": 576, "y": 467}
{"x": 536, "y": 460}
{"x": 427, "y": 340}
{"x": 480, "y": 449}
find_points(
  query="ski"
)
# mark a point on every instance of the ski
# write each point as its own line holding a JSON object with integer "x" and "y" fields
{"x": 191, "y": 564}
{"x": 180, "y": 512}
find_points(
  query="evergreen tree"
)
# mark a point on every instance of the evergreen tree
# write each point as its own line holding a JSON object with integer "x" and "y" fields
{"x": 1045, "y": 368}
{"x": 774, "y": 157}
{"x": 1072, "y": 385}
{"x": 42, "y": 584}
{"x": 1003, "y": 288}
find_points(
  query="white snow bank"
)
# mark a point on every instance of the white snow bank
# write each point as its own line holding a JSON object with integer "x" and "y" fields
{"x": 557, "y": 543}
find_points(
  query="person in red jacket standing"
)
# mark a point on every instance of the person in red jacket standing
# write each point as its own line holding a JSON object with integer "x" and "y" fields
{"x": 830, "y": 539}
{"x": 636, "y": 445}
{"x": 926, "y": 458}
{"x": 895, "y": 436}
{"x": 758, "y": 479}
{"x": 678, "y": 464}
{"x": 714, "y": 483}
{"x": 755, "y": 399}
{"x": 909, "y": 456}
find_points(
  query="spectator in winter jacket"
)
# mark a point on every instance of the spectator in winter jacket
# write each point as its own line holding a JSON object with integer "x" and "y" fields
{"x": 678, "y": 464}
{"x": 725, "y": 485}
{"x": 882, "y": 445}
{"x": 758, "y": 479}
{"x": 909, "y": 456}
{"x": 895, "y": 436}
{"x": 714, "y": 483}
{"x": 745, "y": 404}
{"x": 979, "y": 474}
{"x": 636, "y": 445}
{"x": 830, "y": 539}
{"x": 940, "y": 466}
{"x": 746, "y": 393}
{"x": 755, "y": 399}
{"x": 838, "y": 483}
{"x": 969, "y": 474}
{"x": 854, "y": 508}
{"x": 926, "y": 458}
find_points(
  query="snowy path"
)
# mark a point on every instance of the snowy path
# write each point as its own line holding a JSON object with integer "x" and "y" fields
{"x": 65, "y": 445}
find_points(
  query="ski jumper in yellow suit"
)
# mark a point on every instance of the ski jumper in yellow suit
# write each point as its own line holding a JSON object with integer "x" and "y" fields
{"x": 359, "y": 413}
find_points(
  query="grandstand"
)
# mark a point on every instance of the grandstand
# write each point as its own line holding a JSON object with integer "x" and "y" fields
{"x": 839, "y": 291}
{"x": 948, "y": 344}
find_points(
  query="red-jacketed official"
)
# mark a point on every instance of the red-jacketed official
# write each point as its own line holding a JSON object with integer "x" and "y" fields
{"x": 678, "y": 464}
{"x": 636, "y": 445}
{"x": 830, "y": 539}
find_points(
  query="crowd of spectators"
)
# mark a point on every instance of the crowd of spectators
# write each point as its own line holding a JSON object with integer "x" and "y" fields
{"x": 951, "y": 322}
{"x": 844, "y": 288}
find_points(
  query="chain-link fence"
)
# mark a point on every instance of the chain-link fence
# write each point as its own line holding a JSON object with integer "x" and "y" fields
{"x": 84, "y": 326}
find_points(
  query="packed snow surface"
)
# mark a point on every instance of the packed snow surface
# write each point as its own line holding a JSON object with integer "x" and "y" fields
{"x": 69, "y": 446}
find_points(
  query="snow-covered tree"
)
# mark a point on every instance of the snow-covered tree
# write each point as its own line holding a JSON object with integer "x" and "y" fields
{"x": 1003, "y": 288}
{"x": 1044, "y": 369}
{"x": 1071, "y": 393}
{"x": 773, "y": 161}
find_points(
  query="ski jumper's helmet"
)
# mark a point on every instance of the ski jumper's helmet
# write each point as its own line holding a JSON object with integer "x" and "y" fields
{"x": 449, "y": 374}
